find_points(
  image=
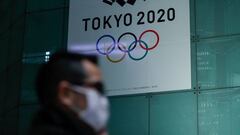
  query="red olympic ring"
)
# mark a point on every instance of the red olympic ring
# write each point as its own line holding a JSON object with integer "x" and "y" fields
{"x": 154, "y": 46}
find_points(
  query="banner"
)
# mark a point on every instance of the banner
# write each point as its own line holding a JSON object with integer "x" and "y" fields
{"x": 143, "y": 46}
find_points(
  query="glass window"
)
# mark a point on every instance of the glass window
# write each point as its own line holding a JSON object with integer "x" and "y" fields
{"x": 19, "y": 7}
{"x": 1, "y": 125}
{"x": 16, "y": 42}
{"x": 36, "y": 5}
{"x": 13, "y": 86}
{"x": 3, "y": 87}
{"x": 217, "y": 17}
{"x": 219, "y": 112}
{"x": 44, "y": 31}
{"x": 11, "y": 122}
{"x": 30, "y": 68}
{"x": 4, "y": 42}
{"x": 129, "y": 116}
{"x": 173, "y": 114}
{"x": 217, "y": 62}
{"x": 5, "y": 6}
{"x": 26, "y": 114}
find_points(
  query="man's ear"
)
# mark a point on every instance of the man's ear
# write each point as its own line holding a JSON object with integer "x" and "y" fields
{"x": 64, "y": 93}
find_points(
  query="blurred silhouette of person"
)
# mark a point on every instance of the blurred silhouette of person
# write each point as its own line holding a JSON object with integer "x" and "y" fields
{"x": 72, "y": 102}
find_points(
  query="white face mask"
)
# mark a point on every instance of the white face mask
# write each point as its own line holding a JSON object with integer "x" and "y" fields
{"x": 97, "y": 111}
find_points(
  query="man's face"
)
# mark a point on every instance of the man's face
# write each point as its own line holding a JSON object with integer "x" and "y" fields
{"x": 93, "y": 77}
{"x": 70, "y": 98}
{"x": 92, "y": 71}
{"x": 87, "y": 100}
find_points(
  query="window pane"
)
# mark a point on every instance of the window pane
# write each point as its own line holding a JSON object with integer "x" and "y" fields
{"x": 217, "y": 17}
{"x": 4, "y": 42}
{"x": 36, "y": 5}
{"x": 129, "y": 116}
{"x": 44, "y": 31}
{"x": 1, "y": 126}
{"x": 29, "y": 74}
{"x": 3, "y": 86}
{"x": 11, "y": 122}
{"x": 173, "y": 114}
{"x": 13, "y": 86}
{"x": 218, "y": 64}
{"x": 16, "y": 42}
{"x": 192, "y": 17}
{"x": 26, "y": 114}
{"x": 5, "y": 15}
{"x": 219, "y": 112}
{"x": 18, "y": 9}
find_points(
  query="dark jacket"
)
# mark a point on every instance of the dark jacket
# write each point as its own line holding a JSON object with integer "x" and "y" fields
{"x": 59, "y": 122}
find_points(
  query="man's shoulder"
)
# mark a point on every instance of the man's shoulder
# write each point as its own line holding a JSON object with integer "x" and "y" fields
{"x": 49, "y": 130}
{"x": 47, "y": 122}
{"x": 57, "y": 122}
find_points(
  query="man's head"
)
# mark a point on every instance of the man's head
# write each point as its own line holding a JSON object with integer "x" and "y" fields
{"x": 74, "y": 82}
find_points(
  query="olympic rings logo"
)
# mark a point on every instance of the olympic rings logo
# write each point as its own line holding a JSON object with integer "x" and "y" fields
{"x": 127, "y": 50}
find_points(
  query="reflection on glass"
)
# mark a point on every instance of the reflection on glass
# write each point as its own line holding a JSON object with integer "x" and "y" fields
{"x": 217, "y": 63}
{"x": 217, "y": 17}
{"x": 219, "y": 112}
{"x": 31, "y": 64}
{"x": 173, "y": 114}
{"x": 129, "y": 116}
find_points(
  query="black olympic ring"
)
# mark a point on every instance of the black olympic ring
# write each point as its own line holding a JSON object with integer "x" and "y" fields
{"x": 135, "y": 43}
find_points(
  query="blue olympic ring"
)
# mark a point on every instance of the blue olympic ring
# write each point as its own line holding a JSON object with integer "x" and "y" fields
{"x": 105, "y": 36}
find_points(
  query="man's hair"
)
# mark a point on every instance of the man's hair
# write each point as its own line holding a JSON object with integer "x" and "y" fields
{"x": 61, "y": 66}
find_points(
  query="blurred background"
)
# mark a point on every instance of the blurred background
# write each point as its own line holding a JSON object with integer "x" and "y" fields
{"x": 31, "y": 30}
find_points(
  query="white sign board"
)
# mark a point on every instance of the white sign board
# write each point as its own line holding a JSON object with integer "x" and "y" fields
{"x": 143, "y": 45}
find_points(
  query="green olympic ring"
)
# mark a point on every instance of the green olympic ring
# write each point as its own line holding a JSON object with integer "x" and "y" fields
{"x": 145, "y": 54}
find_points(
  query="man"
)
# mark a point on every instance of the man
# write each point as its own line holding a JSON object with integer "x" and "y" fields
{"x": 71, "y": 96}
